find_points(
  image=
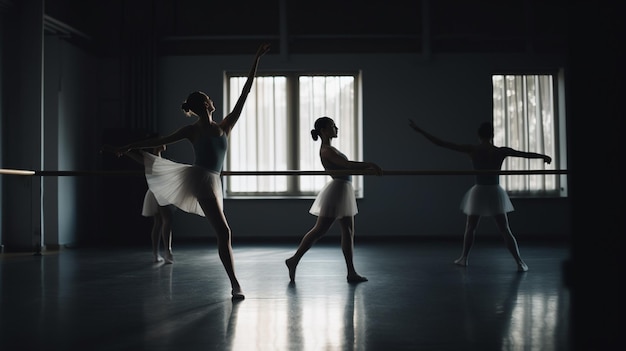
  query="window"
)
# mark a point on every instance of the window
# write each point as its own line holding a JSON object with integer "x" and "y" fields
{"x": 274, "y": 132}
{"x": 525, "y": 118}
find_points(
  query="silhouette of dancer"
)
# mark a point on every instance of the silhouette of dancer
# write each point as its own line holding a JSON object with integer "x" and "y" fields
{"x": 486, "y": 197}
{"x": 336, "y": 201}
{"x": 197, "y": 188}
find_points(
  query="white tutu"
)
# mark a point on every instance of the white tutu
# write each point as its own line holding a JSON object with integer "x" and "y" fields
{"x": 486, "y": 200}
{"x": 336, "y": 200}
{"x": 150, "y": 205}
{"x": 181, "y": 184}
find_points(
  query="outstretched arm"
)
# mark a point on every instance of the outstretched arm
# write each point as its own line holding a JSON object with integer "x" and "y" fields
{"x": 516, "y": 153}
{"x": 331, "y": 155}
{"x": 178, "y": 135}
{"x": 229, "y": 121}
{"x": 135, "y": 155}
{"x": 439, "y": 142}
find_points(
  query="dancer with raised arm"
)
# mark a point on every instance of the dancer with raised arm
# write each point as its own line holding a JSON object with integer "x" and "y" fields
{"x": 486, "y": 197}
{"x": 197, "y": 188}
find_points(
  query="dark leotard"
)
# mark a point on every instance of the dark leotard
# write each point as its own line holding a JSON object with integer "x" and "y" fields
{"x": 487, "y": 159}
{"x": 330, "y": 167}
{"x": 210, "y": 150}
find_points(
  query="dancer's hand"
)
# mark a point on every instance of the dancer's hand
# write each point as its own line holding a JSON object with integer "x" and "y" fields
{"x": 263, "y": 49}
{"x": 376, "y": 168}
{"x": 547, "y": 159}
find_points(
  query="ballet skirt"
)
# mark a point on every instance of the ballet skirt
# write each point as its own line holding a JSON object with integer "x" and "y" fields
{"x": 180, "y": 184}
{"x": 150, "y": 205}
{"x": 336, "y": 200}
{"x": 486, "y": 200}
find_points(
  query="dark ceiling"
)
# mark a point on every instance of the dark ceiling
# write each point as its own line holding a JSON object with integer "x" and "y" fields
{"x": 188, "y": 27}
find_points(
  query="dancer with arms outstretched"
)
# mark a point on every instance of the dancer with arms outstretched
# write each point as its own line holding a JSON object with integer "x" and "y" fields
{"x": 486, "y": 197}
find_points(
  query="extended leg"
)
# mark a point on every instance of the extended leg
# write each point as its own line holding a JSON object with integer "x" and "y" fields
{"x": 216, "y": 217}
{"x": 166, "y": 232}
{"x": 468, "y": 239}
{"x": 319, "y": 229}
{"x": 154, "y": 235}
{"x": 503, "y": 226}
{"x": 347, "y": 247}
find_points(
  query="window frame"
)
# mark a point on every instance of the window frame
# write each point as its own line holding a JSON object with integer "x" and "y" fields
{"x": 294, "y": 130}
{"x": 559, "y": 159}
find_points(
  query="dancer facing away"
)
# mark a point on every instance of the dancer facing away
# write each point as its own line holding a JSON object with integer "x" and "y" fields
{"x": 197, "y": 188}
{"x": 486, "y": 197}
{"x": 336, "y": 201}
{"x": 161, "y": 215}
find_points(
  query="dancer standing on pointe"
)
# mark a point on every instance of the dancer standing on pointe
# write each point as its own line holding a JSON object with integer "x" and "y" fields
{"x": 486, "y": 197}
{"x": 197, "y": 188}
{"x": 336, "y": 201}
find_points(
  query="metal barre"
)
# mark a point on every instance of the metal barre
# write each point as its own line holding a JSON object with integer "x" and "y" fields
{"x": 291, "y": 172}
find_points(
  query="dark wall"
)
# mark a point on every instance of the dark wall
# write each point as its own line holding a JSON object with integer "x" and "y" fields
{"x": 596, "y": 114}
{"x": 121, "y": 196}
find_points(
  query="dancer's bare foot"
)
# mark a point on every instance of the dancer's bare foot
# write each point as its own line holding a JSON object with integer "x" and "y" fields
{"x": 522, "y": 267}
{"x": 355, "y": 278}
{"x": 158, "y": 258}
{"x": 461, "y": 261}
{"x": 169, "y": 258}
{"x": 291, "y": 265}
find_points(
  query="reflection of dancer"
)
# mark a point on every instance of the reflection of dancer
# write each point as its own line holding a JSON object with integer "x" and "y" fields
{"x": 486, "y": 197}
{"x": 336, "y": 201}
{"x": 491, "y": 314}
{"x": 197, "y": 188}
{"x": 161, "y": 215}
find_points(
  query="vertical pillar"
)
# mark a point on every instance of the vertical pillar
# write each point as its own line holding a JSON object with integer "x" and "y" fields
{"x": 22, "y": 129}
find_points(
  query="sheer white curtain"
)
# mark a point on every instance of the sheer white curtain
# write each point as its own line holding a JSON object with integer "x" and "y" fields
{"x": 524, "y": 119}
{"x": 334, "y": 97}
{"x": 274, "y": 132}
{"x": 259, "y": 140}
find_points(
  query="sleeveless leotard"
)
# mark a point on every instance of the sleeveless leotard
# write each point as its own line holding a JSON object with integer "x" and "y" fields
{"x": 486, "y": 197}
{"x": 210, "y": 151}
{"x": 487, "y": 160}
{"x": 331, "y": 167}
{"x": 336, "y": 199}
{"x": 183, "y": 184}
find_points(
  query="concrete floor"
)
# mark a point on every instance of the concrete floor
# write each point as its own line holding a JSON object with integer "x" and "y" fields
{"x": 415, "y": 299}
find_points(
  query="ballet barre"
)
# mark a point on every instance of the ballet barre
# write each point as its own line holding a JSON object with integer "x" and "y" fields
{"x": 17, "y": 172}
{"x": 291, "y": 172}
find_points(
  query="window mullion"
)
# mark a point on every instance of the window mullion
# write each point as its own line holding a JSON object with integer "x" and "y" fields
{"x": 293, "y": 184}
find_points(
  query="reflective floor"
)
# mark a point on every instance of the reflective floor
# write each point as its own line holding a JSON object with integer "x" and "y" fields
{"x": 415, "y": 299}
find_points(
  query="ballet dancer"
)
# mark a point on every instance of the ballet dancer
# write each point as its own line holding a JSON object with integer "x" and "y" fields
{"x": 197, "y": 188}
{"x": 336, "y": 201}
{"x": 486, "y": 197}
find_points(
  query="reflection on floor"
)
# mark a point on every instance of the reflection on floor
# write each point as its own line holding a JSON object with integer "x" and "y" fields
{"x": 415, "y": 299}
